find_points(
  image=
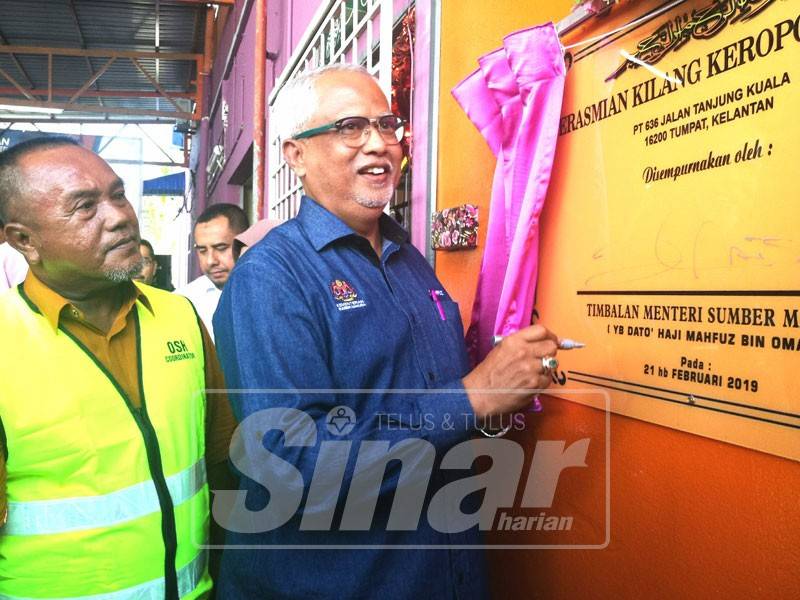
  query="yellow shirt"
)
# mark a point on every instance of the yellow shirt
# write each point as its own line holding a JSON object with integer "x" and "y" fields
{"x": 116, "y": 351}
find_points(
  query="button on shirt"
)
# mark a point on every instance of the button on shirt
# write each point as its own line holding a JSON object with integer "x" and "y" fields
{"x": 312, "y": 308}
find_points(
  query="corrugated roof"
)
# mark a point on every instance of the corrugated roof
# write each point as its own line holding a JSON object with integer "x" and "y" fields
{"x": 110, "y": 25}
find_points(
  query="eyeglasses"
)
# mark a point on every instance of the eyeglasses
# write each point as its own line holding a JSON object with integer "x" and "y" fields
{"x": 354, "y": 131}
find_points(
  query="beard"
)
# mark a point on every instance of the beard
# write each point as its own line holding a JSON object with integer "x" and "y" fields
{"x": 122, "y": 274}
{"x": 379, "y": 200}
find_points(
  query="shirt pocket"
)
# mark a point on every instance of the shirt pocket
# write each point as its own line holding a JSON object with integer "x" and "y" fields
{"x": 451, "y": 311}
{"x": 448, "y": 343}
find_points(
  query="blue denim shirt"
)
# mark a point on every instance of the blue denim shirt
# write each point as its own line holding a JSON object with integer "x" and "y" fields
{"x": 312, "y": 319}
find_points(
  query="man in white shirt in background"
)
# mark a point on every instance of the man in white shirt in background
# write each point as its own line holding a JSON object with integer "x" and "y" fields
{"x": 213, "y": 241}
{"x": 13, "y": 267}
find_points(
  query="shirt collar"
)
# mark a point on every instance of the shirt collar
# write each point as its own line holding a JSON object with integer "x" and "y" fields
{"x": 210, "y": 285}
{"x": 323, "y": 227}
{"x": 51, "y": 304}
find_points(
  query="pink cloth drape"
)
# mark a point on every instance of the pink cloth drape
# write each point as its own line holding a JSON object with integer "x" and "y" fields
{"x": 514, "y": 100}
{"x": 481, "y": 105}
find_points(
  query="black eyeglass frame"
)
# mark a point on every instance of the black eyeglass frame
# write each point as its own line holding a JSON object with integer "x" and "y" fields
{"x": 338, "y": 125}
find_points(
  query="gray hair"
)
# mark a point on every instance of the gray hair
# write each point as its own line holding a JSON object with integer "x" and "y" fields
{"x": 13, "y": 186}
{"x": 298, "y": 100}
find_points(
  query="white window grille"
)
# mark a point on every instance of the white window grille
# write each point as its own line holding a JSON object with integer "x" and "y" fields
{"x": 344, "y": 31}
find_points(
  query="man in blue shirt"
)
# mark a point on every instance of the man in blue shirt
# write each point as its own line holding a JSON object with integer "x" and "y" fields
{"x": 345, "y": 349}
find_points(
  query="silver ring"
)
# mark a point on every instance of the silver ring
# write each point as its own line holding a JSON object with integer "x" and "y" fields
{"x": 549, "y": 363}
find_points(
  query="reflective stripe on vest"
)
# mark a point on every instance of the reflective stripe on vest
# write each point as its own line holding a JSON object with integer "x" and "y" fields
{"x": 43, "y": 517}
{"x": 189, "y": 577}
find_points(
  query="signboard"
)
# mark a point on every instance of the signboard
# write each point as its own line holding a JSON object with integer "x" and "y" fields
{"x": 671, "y": 235}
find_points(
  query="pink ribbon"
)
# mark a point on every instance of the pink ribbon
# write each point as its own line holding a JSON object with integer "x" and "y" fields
{"x": 514, "y": 100}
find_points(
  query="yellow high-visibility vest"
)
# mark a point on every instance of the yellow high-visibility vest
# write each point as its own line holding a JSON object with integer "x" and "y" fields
{"x": 104, "y": 499}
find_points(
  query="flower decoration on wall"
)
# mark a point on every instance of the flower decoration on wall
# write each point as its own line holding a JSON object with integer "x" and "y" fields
{"x": 403, "y": 72}
{"x": 455, "y": 228}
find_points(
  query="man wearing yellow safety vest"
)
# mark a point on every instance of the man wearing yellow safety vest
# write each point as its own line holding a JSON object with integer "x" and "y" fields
{"x": 106, "y": 430}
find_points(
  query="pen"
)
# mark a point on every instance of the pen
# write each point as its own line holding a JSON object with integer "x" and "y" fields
{"x": 563, "y": 343}
{"x": 435, "y": 297}
{"x": 568, "y": 344}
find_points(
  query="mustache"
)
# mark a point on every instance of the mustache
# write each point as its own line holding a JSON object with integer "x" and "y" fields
{"x": 123, "y": 240}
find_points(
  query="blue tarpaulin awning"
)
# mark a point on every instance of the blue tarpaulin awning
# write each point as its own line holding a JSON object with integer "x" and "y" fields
{"x": 166, "y": 185}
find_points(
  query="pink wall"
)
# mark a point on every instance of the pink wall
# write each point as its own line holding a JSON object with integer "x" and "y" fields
{"x": 287, "y": 20}
{"x": 237, "y": 91}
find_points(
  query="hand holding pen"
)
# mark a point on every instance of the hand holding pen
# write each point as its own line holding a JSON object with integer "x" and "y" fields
{"x": 503, "y": 383}
{"x": 506, "y": 380}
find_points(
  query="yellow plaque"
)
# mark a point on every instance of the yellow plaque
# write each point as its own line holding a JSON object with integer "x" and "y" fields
{"x": 671, "y": 234}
